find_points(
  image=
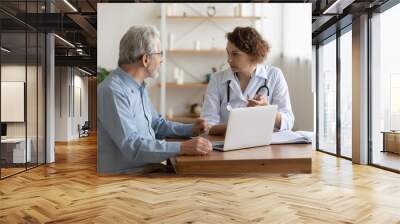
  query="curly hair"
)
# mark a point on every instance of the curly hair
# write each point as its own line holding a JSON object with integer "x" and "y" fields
{"x": 250, "y": 41}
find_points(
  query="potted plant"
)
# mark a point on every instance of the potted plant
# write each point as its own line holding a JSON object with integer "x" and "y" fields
{"x": 102, "y": 74}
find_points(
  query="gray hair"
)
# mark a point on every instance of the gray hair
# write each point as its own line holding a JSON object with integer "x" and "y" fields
{"x": 136, "y": 42}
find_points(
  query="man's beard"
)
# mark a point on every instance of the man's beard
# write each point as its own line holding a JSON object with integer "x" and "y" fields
{"x": 155, "y": 75}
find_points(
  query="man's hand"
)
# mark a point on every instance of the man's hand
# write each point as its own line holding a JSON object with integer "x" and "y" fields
{"x": 258, "y": 100}
{"x": 200, "y": 126}
{"x": 196, "y": 146}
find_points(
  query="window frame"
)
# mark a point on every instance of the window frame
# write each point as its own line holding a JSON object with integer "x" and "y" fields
{"x": 334, "y": 37}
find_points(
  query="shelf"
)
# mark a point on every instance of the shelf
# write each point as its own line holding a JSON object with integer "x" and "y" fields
{"x": 181, "y": 50}
{"x": 192, "y": 51}
{"x": 184, "y": 86}
{"x": 212, "y": 17}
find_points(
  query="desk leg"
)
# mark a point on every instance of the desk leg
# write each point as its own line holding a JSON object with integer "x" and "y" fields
{"x": 172, "y": 162}
{"x": 384, "y": 143}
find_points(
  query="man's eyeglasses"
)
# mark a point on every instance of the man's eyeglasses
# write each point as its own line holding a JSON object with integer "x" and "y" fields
{"x": 160, "y": 53}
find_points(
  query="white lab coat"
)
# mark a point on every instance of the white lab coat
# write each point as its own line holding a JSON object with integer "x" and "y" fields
{"x": 215, "y": 102}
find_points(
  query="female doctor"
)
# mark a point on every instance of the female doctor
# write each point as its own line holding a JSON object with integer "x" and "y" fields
{"x": 246, "y": 83}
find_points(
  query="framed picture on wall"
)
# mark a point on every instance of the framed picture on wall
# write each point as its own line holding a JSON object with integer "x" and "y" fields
{"x": 12, "y": 101}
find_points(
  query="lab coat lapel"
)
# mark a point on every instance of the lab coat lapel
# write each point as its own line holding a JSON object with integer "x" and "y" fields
{"x": 235, "y": 90}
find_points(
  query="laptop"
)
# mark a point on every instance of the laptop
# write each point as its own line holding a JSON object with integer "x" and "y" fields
{"x": 248, "y": 127}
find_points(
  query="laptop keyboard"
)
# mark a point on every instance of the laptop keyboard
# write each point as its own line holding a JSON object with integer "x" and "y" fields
{"x": 219, "y": 146}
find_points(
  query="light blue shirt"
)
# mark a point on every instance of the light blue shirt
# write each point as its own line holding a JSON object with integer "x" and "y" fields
{"x": 215, "y": 102}
{"x": 129, "y": 128}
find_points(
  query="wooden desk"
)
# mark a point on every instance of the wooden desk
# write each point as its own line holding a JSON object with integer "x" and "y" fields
{"x": 290, "y": 158}
{"x": 391, "y": 141}
{"x": 14, "y": 152}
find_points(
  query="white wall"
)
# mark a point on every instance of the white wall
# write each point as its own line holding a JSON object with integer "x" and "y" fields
{"x": 68, "y": 82}
{"x": 61, "y": 104}
{"x": 272, "y": 29}
{"x": 287, "y": 27}
{"x": 14, "y": 73}
{"x": 79, "y": 117}
{"x": 296, "y": 62}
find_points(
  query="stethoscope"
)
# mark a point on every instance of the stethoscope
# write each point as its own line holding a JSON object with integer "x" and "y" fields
{"x": 228, "y": 91}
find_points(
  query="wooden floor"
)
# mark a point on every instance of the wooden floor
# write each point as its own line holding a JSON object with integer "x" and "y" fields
{"x": 387, "y": 159}
{"x": 5, "y": 172}
{"x": 69, "y": 191}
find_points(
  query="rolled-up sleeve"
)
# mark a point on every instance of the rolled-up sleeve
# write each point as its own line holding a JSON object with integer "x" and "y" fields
{"x": 118, "y": 121}
{"x": 281, "y": 98}
{"x": 212, "y": 101}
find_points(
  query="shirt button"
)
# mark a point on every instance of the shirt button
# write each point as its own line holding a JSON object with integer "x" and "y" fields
{"x": 131, "y": 91}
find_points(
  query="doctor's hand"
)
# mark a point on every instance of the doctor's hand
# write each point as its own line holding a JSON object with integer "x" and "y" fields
{"x": 200, "y": 126}
{"x": 196, "y": 146}
{"x": 258, "y": 100}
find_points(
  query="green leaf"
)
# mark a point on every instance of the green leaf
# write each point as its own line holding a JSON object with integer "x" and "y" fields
{"x": 102, "y": 74}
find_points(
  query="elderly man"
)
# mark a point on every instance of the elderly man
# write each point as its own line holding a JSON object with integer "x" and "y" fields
{"x": 129, "y": 128}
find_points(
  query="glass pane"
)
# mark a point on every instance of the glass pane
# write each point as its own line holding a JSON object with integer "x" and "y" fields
{"x": 13, "y": 86}
{"x": 32, "y": 86}
{"x": 327, "y": 97}
{"x": 346, "y": 93}
{"x": 41, "y": 98}
{"x": 31, "y": 97}
{"x": 386, "y": 89}
{"x": 23, "y": 89}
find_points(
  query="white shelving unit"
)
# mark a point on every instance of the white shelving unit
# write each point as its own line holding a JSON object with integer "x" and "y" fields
{"x": 188, "y": 24}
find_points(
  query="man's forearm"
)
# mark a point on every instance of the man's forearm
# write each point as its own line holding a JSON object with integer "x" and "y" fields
{"x": 218, "y": 129}
{"x": 172, "y": 129}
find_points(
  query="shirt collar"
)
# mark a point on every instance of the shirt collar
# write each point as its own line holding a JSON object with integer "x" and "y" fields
{"x": 228, "y": 75}
{"x": 261, "y": 72}
{"x": 127, "y": 79}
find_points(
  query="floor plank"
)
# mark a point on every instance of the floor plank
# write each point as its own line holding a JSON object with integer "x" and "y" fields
{"x": 387, "y": 159}
{"x": 70, "y": 191}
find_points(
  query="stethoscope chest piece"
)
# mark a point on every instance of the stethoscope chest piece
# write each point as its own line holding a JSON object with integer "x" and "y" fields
{"x": 228, "y": 107}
